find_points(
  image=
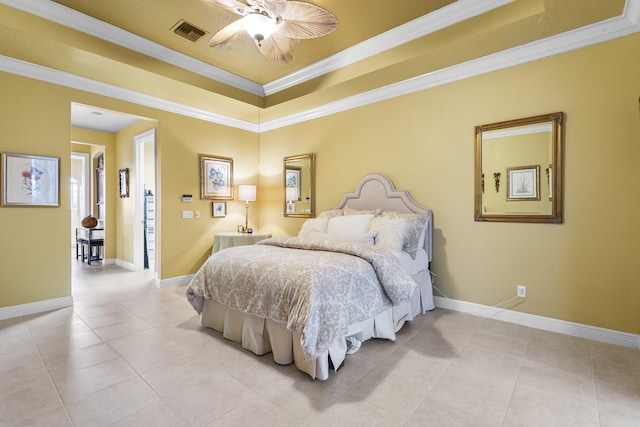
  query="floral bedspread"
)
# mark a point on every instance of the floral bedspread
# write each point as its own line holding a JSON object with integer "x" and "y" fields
{"x": 318, "y": 287}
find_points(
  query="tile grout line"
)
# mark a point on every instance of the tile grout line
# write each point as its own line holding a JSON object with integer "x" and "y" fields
{"x": 51, "y": 381}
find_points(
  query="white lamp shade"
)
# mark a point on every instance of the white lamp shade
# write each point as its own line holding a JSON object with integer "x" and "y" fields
{"x": 247, "y": 193}
{"x": 291, "y": 193}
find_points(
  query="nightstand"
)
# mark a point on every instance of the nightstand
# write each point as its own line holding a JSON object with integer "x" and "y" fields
{"x": 228, "y": 240}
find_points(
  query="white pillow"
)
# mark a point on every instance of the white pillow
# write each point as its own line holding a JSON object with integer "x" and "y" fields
{"x": 330, "y": 213}
{"x": 349, "y": 224}
{"x": 314, "y": 224}
{"x": 416, "y": 230}
{"x": 368, "y": 238}
{"x": 390, "y": 232}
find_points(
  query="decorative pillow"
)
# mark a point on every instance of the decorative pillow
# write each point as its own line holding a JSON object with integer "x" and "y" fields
{"x": 416, "y": 230}
{"x": 350, "y": 211}
{"x": 314, "y": 224}
{"x": 367, "y": 238}
{"x": 390, "y": 232}
{"x": 349, "y": 224}
{"x": 330, "y": 213}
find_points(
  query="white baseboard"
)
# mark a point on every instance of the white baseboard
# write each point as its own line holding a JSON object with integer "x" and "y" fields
{"x": 124, "y": 264}
{"x": 546, "y": 323}
{"x": 35, "y": 307}
{"x": 160, "y": 283}
{"x": 174, "y": 281}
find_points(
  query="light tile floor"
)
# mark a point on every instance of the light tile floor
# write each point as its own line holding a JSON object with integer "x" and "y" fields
{"x": 130, "y": 354}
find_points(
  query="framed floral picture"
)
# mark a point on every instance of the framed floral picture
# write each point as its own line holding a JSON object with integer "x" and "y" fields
{"x": 219, "y": 209}
{"x": 30, "y": 180}
{"x": 216, "y": 178}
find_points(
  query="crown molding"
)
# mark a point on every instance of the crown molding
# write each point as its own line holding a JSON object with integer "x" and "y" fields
{"x": 600, "y": 32}
{"x": 50, "y": 75}
{"x": 427, "y": 24}
{"x": 441, "y": 18}
{"x": 63, "y": 15}
{"x": 589, "y": 35}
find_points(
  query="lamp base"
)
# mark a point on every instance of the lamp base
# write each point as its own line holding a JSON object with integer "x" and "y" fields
{"x": 246, "y": 216}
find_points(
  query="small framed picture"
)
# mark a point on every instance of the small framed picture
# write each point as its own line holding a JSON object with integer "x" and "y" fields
{"x": 523, "y": 183}
{"x": 292, "y": 183}
{"x": 124, "y": 182}
{"x": 219, "y": 209}
{"x": 30, "y": 180}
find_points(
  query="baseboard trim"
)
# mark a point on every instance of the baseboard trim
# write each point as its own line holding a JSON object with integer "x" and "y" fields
{"x": 124, "y": 264}
{"x": 35, "y": 307}
{"x": 546, "y": 323}
{"x": 174, "y": 281}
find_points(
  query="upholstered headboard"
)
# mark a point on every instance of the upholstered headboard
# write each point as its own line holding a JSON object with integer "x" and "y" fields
{"x": 377, "y": 191}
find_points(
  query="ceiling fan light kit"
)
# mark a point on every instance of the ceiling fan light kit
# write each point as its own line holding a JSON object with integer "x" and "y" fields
{"x": 273, "y": 23}
{"x": 259, "y": 26}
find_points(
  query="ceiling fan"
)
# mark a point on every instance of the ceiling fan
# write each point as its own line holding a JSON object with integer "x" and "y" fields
{"x": 273, "y": 24}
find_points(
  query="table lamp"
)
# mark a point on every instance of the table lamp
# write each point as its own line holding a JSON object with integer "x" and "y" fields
{"x": 248, "y": 194}
{"x": 291, "y": 194}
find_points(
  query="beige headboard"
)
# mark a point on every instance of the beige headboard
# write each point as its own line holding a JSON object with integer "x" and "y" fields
{"x": 377, "y": 191}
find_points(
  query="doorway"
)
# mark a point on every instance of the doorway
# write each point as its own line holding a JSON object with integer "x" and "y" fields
{"x": 144, "y": 240}
{"x": 80, "y": 187}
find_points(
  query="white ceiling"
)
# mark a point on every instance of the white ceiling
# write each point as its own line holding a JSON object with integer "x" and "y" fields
{"x": 88, "y": 117}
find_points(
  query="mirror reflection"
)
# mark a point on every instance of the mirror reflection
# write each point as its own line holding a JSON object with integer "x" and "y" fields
{"x": 299, "y": 186}
{"x": 518, "y": 176}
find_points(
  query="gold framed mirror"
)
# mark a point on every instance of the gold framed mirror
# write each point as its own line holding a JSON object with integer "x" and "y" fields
{"x": 518, "y": 170}
{"x": 299, "y": 186}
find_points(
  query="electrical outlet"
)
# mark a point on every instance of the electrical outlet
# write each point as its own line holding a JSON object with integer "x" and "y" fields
{"x": 197, "y": 214}
{"x": 522, "y": 291}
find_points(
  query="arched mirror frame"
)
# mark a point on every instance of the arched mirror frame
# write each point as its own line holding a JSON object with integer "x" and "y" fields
{"x": 556, "y": 172}
{"x": 305, "y": 206}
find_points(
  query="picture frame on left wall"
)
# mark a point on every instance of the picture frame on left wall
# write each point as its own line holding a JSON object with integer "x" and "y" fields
{"x": 216, "y": 178}
{"x": 30, "y": 180}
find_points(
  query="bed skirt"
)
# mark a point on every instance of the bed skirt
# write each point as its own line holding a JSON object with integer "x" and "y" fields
{"x": 261, "y": 336}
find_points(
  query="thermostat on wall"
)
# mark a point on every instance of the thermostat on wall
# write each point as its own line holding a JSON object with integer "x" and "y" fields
{"x": 186, "y": 198}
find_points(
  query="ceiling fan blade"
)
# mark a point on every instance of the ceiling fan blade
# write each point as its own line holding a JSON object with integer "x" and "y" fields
{"x": 275, "y": 7}
{"x": 226, "y": 34}
{"x": 307, "y": 21}
{"x": 277, "y": 47}
{"x": 234, "y": 6}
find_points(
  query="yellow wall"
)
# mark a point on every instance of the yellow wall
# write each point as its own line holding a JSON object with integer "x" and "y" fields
{"x": 581, "y": 270}
{"x": 26, "y": 278}
{"x": 34, "y": 249}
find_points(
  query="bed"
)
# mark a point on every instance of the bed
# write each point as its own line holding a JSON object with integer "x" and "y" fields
{"x": 357, "y": 271}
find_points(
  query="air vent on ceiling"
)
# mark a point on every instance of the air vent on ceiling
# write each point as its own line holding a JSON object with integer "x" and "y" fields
{"x": 188, "y": 31}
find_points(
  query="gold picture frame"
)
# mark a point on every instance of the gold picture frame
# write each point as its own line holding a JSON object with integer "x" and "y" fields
{"x": 216, "y": 178}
